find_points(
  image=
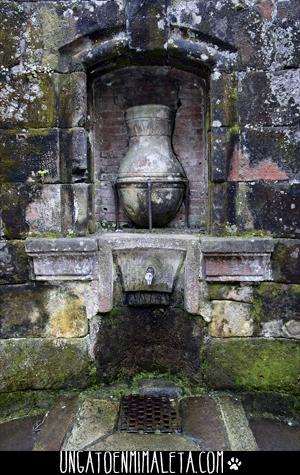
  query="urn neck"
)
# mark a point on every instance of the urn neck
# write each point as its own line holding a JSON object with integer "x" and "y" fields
{"x": 150, "y": 120}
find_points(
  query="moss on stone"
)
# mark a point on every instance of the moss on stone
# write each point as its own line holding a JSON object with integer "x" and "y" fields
{"x": 253, "y": 364}
{"x": 217, "y": 291}
{"x": 14, "y": 405}
{"x": 235, "y": 130}
{"x": 274, "y": 300}
{"x": 42, "y": 363}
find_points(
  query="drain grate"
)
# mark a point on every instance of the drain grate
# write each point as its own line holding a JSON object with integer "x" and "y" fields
{"x": 149, "y": 414}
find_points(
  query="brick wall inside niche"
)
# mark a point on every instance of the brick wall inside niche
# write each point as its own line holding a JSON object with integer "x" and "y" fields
{"x": 112, "y": 95}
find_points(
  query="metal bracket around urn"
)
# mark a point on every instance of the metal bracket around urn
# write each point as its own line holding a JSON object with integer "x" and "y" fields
{"x": 149, "y": 185}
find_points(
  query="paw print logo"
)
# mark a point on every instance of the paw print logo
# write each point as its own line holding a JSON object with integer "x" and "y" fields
{"x": 234, "y": 463}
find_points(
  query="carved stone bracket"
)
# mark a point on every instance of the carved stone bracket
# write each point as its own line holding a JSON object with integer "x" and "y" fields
{"x": 234, "y": 259}
{"x": 63, "y": 259}
{"x": 201, "y": 261}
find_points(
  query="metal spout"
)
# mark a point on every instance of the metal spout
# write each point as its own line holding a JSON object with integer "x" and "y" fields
{"x": 149, "y": 276}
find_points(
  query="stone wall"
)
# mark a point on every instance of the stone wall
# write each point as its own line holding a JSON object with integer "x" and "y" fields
{"x": 247, "y": 56}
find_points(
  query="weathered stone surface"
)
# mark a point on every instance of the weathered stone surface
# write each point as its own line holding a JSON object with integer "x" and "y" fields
{"x": 77, "y": 209}
{"x": 14, "y": 202}
{"x": 73, "y": 155}
{"x": 147, "y": 24}
{"x": 274, "y": 97}
{"x": 266, "y": 153}
{"x": 222, "y": 145}
{"x": 286, "y": 261}
{"x": 133, "y": 265}
{"x": 253, "y": 364}
{"x": 274, "y": 435}
{"x": 18, "y": 435}
{"x": 235, "y": 259}
{"x": 44, "y": 214}
{"x": 95, "y": 420}
{"x": 221, "y": 198}
{"x": 230, "y": 319}
{"x": 158, "y": 442}
{"x": 11, "y": 18}
{"x": 133, "y": 340}
{"x": 35, "y": 363}
{"x": 159, "y": 387}
{"x": 58, "y": 421}
{"x": 236, "y": 424}
{"x": 272, "y": 207}
{"x": 31, "y": 155}
{"x": 287, "y": 35}
{"x": 292, "y": 329}
{"x": 63, "y": 259}
{"x": 105, "y": 15}
{"x": 223, "y": 90}
{"x": 37, "y": 310}
{"x": 14, "y": 263}
{"x": 273, "y": 301}
{"x": 201, "y": 420}
{"x": 238, "y": 293}
{"x": 27, "y": 101}
{"x": 72, "y": 99}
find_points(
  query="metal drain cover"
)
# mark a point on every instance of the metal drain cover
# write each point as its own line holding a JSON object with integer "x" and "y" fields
{"x": 149, "y": 414}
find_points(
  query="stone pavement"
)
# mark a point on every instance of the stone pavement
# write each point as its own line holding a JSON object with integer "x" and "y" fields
{"x": 209, "y": 422}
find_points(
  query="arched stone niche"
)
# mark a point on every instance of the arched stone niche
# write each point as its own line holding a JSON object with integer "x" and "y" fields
{"x": 184, "y": 93}
{"x": 178, "y": 74}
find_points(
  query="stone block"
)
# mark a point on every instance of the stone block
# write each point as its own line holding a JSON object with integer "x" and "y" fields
{"x": 14, "y": 263}
{"x": 234, "y": 25}
{"x": 235, "y": 259}
{"x": 104, "y": 16}
{"x": 72, "y": 99}
{"x": 57, "y": 423}
{"x": 221, "y": 205}
{"x": 30, "y": 155}
{"x": 43, "y": 363}
{"x": 77, "y": 209}
{"x": 274, "y": 301}
{"x": 222, "y": 147}
{"x": 11, "y": 18}
{"x": 274, "y": 97}
{"x": 96, "y": 418}
{"x": 286, "y": 35}
{"x": 267, "y": 153}
{"x": 29, "y": 208}
{"x": 253, "y": 364}
{"x": 271, "y": 207}
{"x": 28, "y": 100}
{"x": 73, "y": 155}
{"x": 237, "y": 293}
{"x": 286, "y": 261}
{"x": 223, "y": 90}
{"x": 147, "y": 24}
{"x": 230, "y": 319}
{"x": 202, "y": 421}
{"x": 63, "y": 259}
{"x": 37, "y": 310}
{"x": 44, "y": 214}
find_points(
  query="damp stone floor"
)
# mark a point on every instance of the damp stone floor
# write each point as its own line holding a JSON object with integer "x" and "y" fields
{"x": 91, "y": 421}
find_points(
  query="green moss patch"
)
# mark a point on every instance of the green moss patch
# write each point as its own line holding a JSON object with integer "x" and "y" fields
{"x": 253, "y": 364}
{"x": 43, "y": 363}
{"x": 273, "y": 301}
